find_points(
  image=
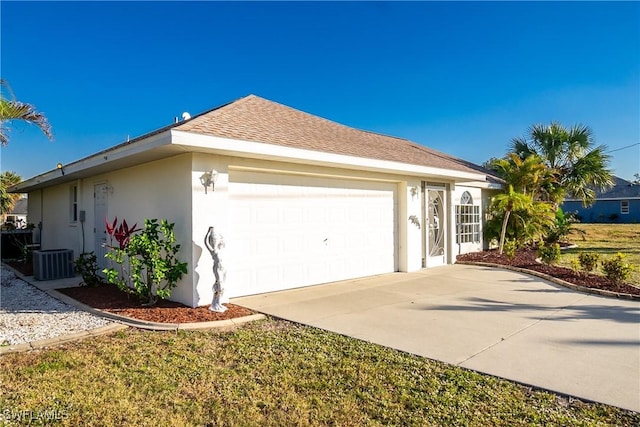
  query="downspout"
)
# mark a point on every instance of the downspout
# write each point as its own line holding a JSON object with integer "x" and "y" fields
{"x": 40, "y": 224}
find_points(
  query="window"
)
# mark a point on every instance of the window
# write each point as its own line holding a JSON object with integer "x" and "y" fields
{"x": 73, "y": 203}
{"x": 624, "y": 206}
{"x": 467, "y": 220}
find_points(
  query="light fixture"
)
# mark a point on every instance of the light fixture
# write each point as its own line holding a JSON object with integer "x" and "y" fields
{"x": 59, "y": 166}
{"x": 209, "y": 178}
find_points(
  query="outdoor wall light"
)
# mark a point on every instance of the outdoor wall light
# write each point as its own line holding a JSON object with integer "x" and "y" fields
{"x": 59, "y": 166}
{"x": 209, "y": 178}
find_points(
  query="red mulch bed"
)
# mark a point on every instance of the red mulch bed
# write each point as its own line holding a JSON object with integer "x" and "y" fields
{"x": 25, "y": 268}
{"x": 110, "y": 298}
{"x": 526, "y": 258}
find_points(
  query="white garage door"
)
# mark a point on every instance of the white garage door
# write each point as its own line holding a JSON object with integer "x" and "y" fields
{"x": 289, "y": 231}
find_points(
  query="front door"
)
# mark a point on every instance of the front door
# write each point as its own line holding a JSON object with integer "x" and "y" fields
{"x": 436, "y": 227}
{"x": 100, "y": 198}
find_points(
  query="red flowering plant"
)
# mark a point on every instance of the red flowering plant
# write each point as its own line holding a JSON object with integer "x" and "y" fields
{"x": 121, "y": 233}
{"x": 148, "y": 266}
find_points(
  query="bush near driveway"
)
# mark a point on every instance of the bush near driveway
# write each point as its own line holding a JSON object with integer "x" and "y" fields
{"x": 606, "y": 240}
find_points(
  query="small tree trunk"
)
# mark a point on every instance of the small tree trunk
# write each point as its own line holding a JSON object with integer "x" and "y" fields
{"x": 504, "y": 230}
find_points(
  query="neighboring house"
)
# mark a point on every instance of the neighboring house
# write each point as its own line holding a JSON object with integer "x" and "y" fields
{"x": 299, "y": 200}
{"x": 18, "y": 216}
{"x": 619, "y": 204}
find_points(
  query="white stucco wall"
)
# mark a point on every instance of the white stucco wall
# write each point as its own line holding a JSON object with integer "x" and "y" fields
{"x": 158, "y": 189}
{"x": 171, "y": 189}
{"x": 58, "y": 231}
{"x": 210, "y": 209}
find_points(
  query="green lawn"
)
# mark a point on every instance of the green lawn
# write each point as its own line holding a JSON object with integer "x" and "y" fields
{"x": 270, "y": 373}
{"x": 607, "y": 240}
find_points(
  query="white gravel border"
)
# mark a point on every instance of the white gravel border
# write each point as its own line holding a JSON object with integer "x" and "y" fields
{"x": 28, "y": 314}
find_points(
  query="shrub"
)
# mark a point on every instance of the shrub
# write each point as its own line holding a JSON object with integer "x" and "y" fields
{"x": 549, "y": 254}
{"x": 616, "y": 269}
{"x": 563, "y": 227}
{"x": 575, "y": 265}
{"x": 510, "y": 247}
{"x": 588, "y": 261}
{"x": 87, "y": 265}
{"x": 154, "y": 269}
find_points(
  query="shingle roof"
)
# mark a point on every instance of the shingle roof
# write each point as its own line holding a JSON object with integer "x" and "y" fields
{"x": 20, "y": 208}
{"x": 259, "y": 120}
{"x": 622, "y": 189}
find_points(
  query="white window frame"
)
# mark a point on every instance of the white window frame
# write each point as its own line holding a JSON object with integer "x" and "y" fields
{"x": 73, "y": 203}
{"x": 467, "y": 220}
{"x": 624, "y": 207}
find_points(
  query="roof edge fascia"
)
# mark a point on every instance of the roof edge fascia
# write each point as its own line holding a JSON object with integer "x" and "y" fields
{"x": 259, "y": 150}
{"x": 113, "y": 154}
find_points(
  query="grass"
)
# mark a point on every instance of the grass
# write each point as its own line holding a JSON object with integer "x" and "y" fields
{"x": 270, "y": 373}
{"x": 607, "y": 240}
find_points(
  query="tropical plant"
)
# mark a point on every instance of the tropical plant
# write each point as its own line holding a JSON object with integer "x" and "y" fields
{"x": 616, "y": 269}
{"x": 154, "y": 269}
{"x": 520, "y": 217}
{"x": 580, "y": 166}
{"x": 527, "y": 176}
{"x": 122, "y": 233}
{"x": 563, "y": 227}
{"x": 588, "y": 261}
{"x": 8, "y": 200}
{"x": 87, "y": 265}
{"x": 549, "y": 254}
{"x": 12, "y": 109}
{"x": 510, "y": 248}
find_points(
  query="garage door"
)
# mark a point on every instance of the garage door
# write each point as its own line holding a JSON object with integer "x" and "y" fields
{"x": 291, "y": 230}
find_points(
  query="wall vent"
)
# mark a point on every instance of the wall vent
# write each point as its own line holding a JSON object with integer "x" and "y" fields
{"x": 53, "y": 264}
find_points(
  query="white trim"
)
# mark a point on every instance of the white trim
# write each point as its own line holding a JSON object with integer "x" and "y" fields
{"x": 171, "y": 142}
{"x": 313, "y": 174}
{"x": 259, "y": 150}
{"x": 102, "y": 161}
{"x": 622, "y": 210}
{"x": 605, "y": 200}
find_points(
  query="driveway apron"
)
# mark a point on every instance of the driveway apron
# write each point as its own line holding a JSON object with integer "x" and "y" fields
{"x": 495, "y": 321}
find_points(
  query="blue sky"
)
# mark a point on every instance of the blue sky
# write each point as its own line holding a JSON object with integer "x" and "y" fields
{"x": 461, "y": 77}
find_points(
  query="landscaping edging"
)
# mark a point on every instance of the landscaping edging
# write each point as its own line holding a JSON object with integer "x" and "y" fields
{"x": 155, "y": 326}
{"x": 122, "y": 322}
{"x": 62, "y": 339}
{"x": 601, "y": 292}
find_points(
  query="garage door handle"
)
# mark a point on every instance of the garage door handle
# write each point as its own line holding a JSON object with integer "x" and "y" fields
{"x": 325, "y": 241}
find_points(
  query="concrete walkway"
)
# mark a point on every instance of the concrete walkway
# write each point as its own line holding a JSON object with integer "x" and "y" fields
{"x": 495, "y": 321}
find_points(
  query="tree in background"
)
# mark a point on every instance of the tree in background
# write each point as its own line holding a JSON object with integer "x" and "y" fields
{"x": 571, "y": 153}
{"x": 8, "y": 200}
{"x": 12, "y": 109}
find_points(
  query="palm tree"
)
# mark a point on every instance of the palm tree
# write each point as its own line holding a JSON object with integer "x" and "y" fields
{"x": 12, "y": 109}
{"x": 508, "y": 202}
{"x": 570, "y": 153}
{"x": 8, "y": 200}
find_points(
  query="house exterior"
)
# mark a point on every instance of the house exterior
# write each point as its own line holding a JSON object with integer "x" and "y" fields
{"x": 18, "y": 216}
{"x": 620, "y": 204}
{"x": 297, "y": 199}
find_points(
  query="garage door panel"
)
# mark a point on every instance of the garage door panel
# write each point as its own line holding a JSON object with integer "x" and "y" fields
{"x": 291, "y": 231}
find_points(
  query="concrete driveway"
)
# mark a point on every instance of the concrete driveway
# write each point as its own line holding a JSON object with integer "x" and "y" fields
{"x": 490, "y": 320}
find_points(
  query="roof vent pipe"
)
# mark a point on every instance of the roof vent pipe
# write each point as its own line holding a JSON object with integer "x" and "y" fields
{"x": 186, "y": 116}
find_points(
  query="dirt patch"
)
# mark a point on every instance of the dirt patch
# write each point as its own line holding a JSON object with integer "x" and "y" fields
{"x": 111, "y": 299}
{"x": 526, "y": 258}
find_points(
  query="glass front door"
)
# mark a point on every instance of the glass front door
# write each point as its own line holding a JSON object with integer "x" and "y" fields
{"x": 436, "y": 230}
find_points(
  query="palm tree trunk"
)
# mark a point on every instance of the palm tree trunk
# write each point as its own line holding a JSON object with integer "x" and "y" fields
{"x": 504, "y": 230}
